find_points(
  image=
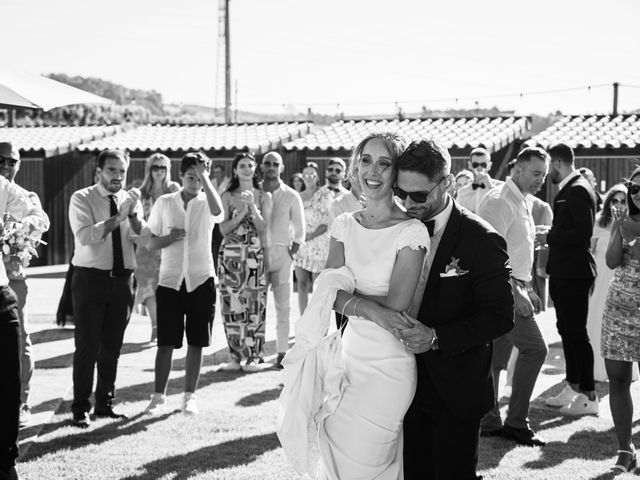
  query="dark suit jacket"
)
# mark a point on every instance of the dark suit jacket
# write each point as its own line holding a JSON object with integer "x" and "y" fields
{"x": 467, "y": 312}
{"x": 569, "y": 239}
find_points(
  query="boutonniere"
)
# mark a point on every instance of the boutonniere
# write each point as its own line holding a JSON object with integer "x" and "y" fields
{"x": 453, "y": 269}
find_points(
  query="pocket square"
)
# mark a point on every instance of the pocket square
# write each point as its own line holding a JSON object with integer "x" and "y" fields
{"x": 453, "y": 269}
{"x": 560, "y": 201}
{"x": 453, "y": 273}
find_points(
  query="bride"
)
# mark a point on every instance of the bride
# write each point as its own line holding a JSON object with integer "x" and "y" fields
{"x": 384, "y": 250}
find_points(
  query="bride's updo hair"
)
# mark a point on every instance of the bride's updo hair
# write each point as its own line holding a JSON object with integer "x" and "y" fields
{"x": 394, "y": 142}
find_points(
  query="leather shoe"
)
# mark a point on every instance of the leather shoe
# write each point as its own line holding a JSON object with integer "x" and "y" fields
{"x": 108, "y": 412}
{"x": 491, "y": 433}
{"x": 81, "y": 419}
{"x": 523, "y": 436}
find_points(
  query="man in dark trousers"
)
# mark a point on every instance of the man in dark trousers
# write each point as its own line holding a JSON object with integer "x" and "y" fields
{"x": 104, "y": 219}
{"x": 467, "y": 303}
{"x": 572, "y": 270}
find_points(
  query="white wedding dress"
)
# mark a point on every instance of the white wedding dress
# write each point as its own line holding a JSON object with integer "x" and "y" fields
{"x": 362, "y": 439}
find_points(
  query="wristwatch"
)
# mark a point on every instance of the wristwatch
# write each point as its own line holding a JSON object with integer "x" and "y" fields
{"x": 435, "y": 344}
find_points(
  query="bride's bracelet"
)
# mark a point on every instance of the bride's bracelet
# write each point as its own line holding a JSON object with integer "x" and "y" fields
{"x": 355, "y": 307}
{"x": 344, "y": 307}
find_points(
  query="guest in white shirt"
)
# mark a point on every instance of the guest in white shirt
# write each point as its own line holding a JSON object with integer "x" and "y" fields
{"x": 219, "y": 180}
{"x": 12, "y": 201}
{"x": 471, "y": 195}
{"x": 181, "y": 225}
{"x": 286, "y": 234}
{"x": 507, "y": 210}
{"x": 336, "y": 174}
{"x": 104, "y": 219}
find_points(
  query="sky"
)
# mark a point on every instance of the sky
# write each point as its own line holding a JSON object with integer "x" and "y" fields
{"x": 356, "y": 57}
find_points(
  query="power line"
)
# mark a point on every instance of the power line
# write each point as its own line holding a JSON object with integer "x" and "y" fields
{"x": 443, "y": 99}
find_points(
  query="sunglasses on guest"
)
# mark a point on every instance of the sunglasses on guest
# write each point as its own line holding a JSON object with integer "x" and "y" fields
{"x": 417, "y": 197}
{"x": 269, "y": 163}
{"x": 8, "y": 160}
{"x": 158, "y": 168}
{"x": 479, "y": 164}
{"x": 334, "y": 170}
{"x": 616, "y": 201}
{"x": 633, "y": 188}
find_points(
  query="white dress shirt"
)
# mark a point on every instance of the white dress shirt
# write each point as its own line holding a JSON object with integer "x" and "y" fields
{"x": 471, "y": 199}
{"x": 89, "y": 209}
{"x": 287, "y": 217}
{"x": 190, "y": 259}
{"x": 562, "y": 184}
{"x": 15, "y": 201}
{"x": 440, "y": 223}
{"x": 508, "y": 211}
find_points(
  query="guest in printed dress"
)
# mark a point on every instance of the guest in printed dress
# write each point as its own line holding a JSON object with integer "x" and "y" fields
{"x": 311, "y": 257}
{"x": 243, "y": 283}
{"x": 157, "y": 182}
{"x": 620, "y": 342}
{"x": 615, "y": 199}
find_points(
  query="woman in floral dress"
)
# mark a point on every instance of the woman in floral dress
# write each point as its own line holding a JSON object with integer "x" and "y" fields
{"x": 243, "y": 284}
{"x": 157, "y": 182}
{"x": 311, "y": 256}
{"x": 621, "y": 321}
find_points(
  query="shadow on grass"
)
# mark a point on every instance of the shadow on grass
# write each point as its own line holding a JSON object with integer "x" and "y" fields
{"x": 259, "y": 398}
{"x": 66, "y": 360}
{"x": 229, "y": 454}
{"x": 51, "y": 335}
{"x": 99, "y": 432}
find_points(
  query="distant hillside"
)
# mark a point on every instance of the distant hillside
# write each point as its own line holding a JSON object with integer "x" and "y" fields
{"x": 149, "y": 99}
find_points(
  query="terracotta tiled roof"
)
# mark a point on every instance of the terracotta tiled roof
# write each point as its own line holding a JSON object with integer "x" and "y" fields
{"x": 53, "y": 140}
{"x": 259, "y": 137}
{"x": 593, "y": 131}
{"x": 491, "y": 132}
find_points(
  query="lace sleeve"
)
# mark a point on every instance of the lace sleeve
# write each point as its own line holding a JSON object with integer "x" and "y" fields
{"x": 414, "y": 235}
{"x": 339, "y": 227}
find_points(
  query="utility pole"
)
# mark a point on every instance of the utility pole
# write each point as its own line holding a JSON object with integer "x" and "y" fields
{"x": 223, "y": 67}
{"x": 227, "y": 63}
{"x": 615, "y": 98}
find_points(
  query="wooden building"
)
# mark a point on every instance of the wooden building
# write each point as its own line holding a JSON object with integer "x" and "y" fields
{"x": 608, "y": 145}
{"x": 500, "y": 135}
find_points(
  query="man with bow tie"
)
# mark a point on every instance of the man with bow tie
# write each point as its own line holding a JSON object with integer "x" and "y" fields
{"x": 463, "y": 301}
{"x": 336, "y": 174}
{"x": 104, "y": 219}
{"x": 471, "y": 195}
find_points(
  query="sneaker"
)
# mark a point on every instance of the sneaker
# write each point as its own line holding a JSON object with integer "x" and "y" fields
{"x": 251, "y": 367}
{"x": 157, "y": 405}
{"x": 564, "y": 398}
{"x": 25, "y": 415}
{"x": 581, "y": 405}
{"x": 232, "y": 366}
{"x": 189, "y": 404}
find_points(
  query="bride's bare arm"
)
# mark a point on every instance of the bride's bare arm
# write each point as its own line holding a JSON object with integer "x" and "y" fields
{"x": 385, "y": 311}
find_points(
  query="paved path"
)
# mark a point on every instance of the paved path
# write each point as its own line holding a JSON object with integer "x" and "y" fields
{"x": 53, "y": 351}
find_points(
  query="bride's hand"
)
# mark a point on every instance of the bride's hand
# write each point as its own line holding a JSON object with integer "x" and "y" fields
{"x": 417, "y": 338}
{"x": 386, "y": 318}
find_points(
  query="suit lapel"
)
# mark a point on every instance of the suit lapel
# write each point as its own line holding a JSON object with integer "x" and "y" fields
{"x": 445, "y": 247}
{"x": 561, "y": 193}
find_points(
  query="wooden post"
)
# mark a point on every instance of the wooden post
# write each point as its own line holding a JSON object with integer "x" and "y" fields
{"x": 615, "y": 98}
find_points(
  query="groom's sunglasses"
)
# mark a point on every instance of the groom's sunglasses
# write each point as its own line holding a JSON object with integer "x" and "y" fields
{"x": 633, "y": 188}
{"x": 417, "y": 197}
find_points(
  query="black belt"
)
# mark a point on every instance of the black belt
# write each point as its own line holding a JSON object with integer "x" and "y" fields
{"x": 107, "y": 273}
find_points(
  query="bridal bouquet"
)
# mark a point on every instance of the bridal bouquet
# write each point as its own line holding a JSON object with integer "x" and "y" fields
{"x": 18, "y": 243}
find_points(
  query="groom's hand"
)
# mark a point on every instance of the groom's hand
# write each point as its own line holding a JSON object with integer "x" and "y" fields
{"x": 418, "y": 337}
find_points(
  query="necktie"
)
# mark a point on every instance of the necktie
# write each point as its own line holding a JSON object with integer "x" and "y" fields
{"x": 118, "y": 262}
{"x": 475, "y": 186}
{"x": 430, "y": 224}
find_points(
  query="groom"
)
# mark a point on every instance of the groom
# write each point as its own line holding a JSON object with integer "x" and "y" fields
{"x": 467, "y": 302}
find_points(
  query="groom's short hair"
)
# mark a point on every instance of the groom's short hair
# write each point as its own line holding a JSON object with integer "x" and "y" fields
{"x": 428, "y": 157}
